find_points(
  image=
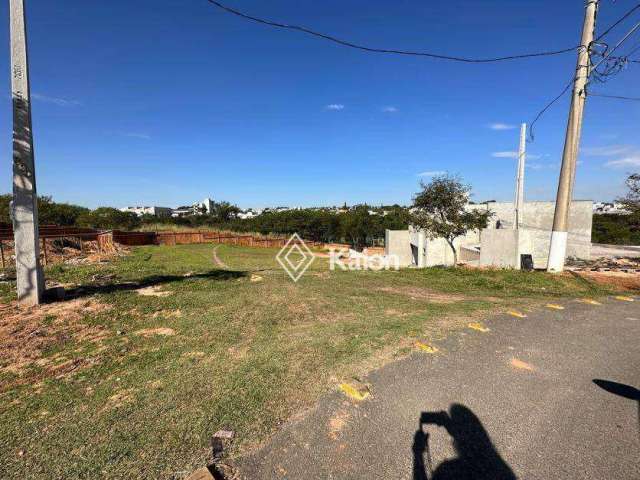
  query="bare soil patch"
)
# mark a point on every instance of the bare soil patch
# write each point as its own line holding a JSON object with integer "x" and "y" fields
{"x": 620, "y": 280}
{"x": 153, "y": 291}
{"x": 26, "y": 334}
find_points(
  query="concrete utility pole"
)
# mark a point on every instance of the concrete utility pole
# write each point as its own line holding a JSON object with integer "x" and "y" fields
{"x": 30, "y": 281}
{"x": 558, "y": 246}
{"x": 522, "y": 157}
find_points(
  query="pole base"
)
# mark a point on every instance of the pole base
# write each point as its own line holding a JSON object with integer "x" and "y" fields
{"x": 557, "y": 252}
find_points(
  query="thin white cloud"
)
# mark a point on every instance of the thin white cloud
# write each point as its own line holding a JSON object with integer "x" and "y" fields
{"x": 632, "y": 161}
{"x": 142, "y": 136}
{"x": 541, "y": 166}
{"x": 501, "y": 126}
{"x": 508, "y": 154}
{"x": 335, "y": 107}
{"x": 431, "y": 173}
{"x": 390, "y": 109}
{"x": 60, "y": 102}
{"x": 606, "y": 151}
{"x": 514, "y": 154}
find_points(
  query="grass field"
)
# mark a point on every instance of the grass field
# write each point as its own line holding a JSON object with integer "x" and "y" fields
{"x": 163, "y": 347}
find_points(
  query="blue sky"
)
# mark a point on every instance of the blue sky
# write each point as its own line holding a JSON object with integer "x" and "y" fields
{"x": 166, "y": 102}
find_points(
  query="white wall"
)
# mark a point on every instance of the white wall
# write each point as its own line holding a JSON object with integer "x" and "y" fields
{"x": 538, "y": 219}
{"x": 502, "y": 248}
{"x": 396, "y": 242}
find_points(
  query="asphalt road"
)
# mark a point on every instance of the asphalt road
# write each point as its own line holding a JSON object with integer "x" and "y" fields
{"x": 518, "y": 401}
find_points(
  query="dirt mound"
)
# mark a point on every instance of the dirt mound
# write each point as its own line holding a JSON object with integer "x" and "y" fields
{"x": 70, "y": 251}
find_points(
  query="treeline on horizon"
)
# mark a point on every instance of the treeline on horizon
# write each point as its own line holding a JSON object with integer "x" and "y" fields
{"x": 355, "y": 226}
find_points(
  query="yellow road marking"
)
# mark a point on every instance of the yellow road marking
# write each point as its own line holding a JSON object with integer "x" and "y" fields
{"x": 353, "y": 392}
{"x": 478, "y": 326}
{"x": 426, "y": 348}
{"x": 624, "y": 299}
{"x": 590, "y": 301}
{"x": 523, "y": 365}
{"x": 555, "y": 306}
{"x": 513, "y": 313}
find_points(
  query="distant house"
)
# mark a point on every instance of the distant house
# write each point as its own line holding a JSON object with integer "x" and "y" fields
{"x": 183, "y": 211}
{"x": 604, "y": 208}
{"x": 154, "y": 211}
{"x": 198, "y": 208}
{"x": 207, "y": 204}
{"x": 250, "y": 213}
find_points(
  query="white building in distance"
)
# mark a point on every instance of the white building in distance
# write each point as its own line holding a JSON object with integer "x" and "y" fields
{"x": 199, "y": 208}
{"x": 605, "y": 208}
{"x": 154, "y": 211}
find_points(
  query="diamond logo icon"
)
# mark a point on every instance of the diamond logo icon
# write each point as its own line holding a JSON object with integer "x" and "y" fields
{"x": 295, "y": 257}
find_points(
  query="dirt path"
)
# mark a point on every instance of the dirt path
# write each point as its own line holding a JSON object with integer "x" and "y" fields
{"x": 217, "y": 260}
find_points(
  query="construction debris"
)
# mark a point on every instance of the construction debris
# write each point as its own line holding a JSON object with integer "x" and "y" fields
{"x": 220, "y": 441}
{"x": 605, "y": 264}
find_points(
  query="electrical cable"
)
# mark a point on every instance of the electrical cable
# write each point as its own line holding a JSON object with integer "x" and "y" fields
{"x": 605, "y": 56}
{"x": 618, "y": 22}
{"x": 617, "y": 97}
{"x": 365, "y": 48}
{"x": 610, "y": 70}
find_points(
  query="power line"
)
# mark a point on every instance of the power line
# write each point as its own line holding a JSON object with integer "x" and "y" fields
{"x": 365, "y": 48}
{"x": 618, "y": 97}
{"x": 547, "y": 107}
{"x": 624, "y": 39}
{"x": 612, "y": 65}
{"x": 618, "y": 22}
{"x": 605, "y": 56}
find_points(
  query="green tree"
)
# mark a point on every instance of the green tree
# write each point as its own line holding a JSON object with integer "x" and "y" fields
{"x": 49, "y": 212}
{"x": 107, "y": 218}
{"x": 224, "y": 211}
{"x": 440, "y": 210}
{"x": 631, "y": 201}
{"x": 52, "y": 213}
{"x": 357, "y": 225}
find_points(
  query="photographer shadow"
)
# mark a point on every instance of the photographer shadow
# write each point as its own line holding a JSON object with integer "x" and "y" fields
{"x": 477, "y": 457}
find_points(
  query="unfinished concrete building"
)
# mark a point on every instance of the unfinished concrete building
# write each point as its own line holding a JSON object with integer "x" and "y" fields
{"x": 500, "y": 244}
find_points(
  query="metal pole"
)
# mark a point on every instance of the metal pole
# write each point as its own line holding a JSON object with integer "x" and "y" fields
{"x": 519, "y": 200}
{"x": 30, "y": 281}
{"x": 558, "y": 246}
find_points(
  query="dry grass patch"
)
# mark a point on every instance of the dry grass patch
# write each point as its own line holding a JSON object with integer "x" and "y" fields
{"x": 27, "y": 333}
{"x": 150, "y": 332}
{"x": 153, "y": 291}
{"x": 416, "y": 293}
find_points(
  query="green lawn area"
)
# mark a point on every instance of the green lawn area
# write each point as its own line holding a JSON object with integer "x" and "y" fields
{"x": 115, "y": 384}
